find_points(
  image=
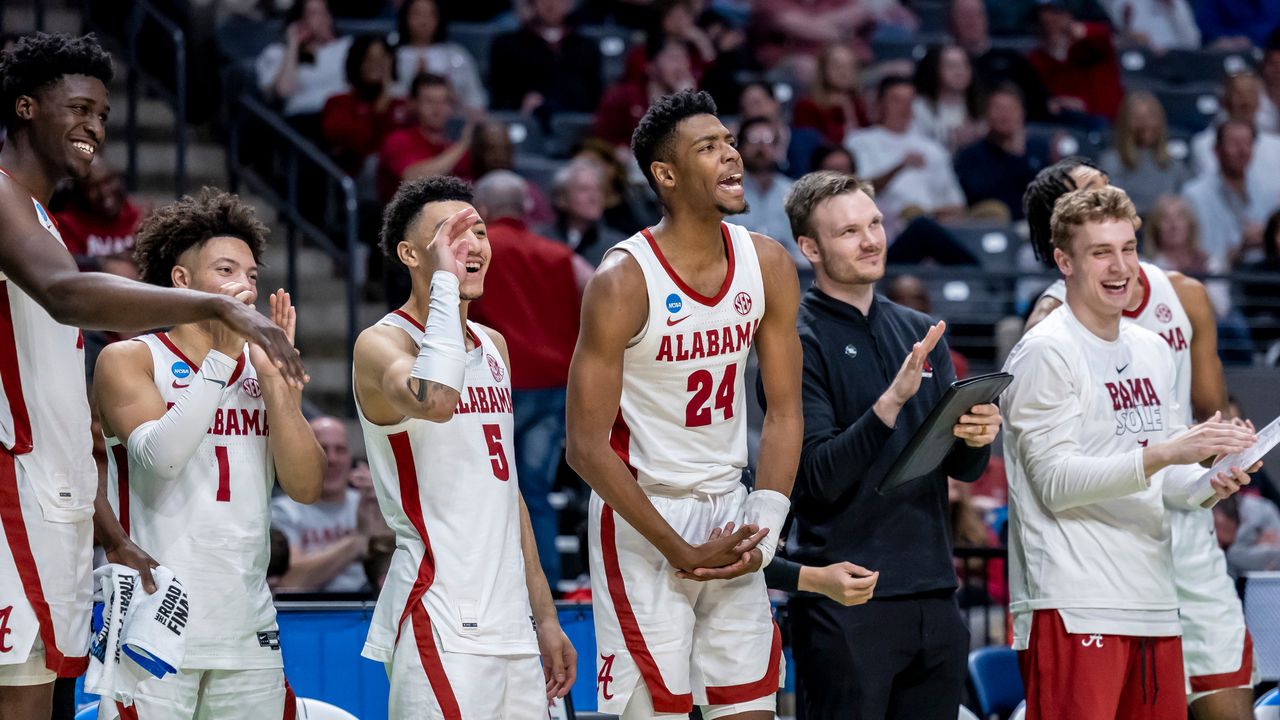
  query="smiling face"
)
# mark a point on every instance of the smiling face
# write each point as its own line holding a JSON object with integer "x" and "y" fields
{"x": 850, "y": 245}
{"x": 422, "y": 231}
{"x": 422, "y": 20}
{"x": 214, "y": 263}
{"x": 67, "y": 123}
{"x": 1100, "y": 267}
{"x": 706, "y": 169}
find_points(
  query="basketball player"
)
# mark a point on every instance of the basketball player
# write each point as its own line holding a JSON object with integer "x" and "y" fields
{"x": 1216, "y": 646}
{"x": 453, "y": 622}
{"x": 198, "y": 427}
{"x": 657, "y": 427}
{"x": 53, "y": 102}
{"x": 1092, "y": 416}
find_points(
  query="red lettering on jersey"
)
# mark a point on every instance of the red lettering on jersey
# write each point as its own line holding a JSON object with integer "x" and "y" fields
{"x": 726, "y": 341}
{"x": 474, "y": 405}
{"x": 698, "y": 350}
{"x": 217, "y": 428}
{"x": 4, "y": 629}
{"x": 606, "y": 676}
{"x": 495, "y": 400}
{"x": 233, "y": 422}
{"x": 1133, "y": 393}
{"x": 484, "y": 402}
{"x": 682, "y": 354}
{"x": 505, "y": 394}
{"x": 744, "y": 335}
{"x": 249, "y": 421}
{"x": 1115, "y": 396}
{"x": 1139, "y": 392}
{"x": 1174, "y": 337}
{"x": 664, "y": 350}
{"x": 1152, "y": 398}
{"x": 713, "y": 343}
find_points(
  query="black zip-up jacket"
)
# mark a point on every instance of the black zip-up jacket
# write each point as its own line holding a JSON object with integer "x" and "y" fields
{"x": 849, "y": 361}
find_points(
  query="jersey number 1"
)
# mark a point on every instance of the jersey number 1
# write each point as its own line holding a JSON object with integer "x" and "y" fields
{"x": 497, "y": 454}
{"x": 224, "y": 473}
{"x": 697, "y": 414}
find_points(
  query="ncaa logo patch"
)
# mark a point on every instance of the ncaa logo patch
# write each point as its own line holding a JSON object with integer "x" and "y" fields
{"x": 1163, "y": 313}
{"x": 180, "y": 370}
{"x": 674, "y": 303}
{"x": 742, "y": 303}
{"x": 495, "y": 368}
{"x": 251, "y": 387}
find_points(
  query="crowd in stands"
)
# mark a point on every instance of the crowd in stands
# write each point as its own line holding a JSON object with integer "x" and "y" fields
{"x": 948, "y": 107}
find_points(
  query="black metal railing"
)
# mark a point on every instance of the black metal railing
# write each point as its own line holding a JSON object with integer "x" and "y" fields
{"x": 296, "y": 162}
{"x": 983, "y": 576}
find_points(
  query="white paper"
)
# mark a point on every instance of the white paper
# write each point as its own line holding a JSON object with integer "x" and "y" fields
{"x": 1268, "y": 438}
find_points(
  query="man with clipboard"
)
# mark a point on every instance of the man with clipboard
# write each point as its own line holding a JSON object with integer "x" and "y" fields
{"x": 901, "y": 655}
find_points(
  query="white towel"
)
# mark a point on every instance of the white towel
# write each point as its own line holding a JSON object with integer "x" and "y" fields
{"x": 141, "y": 634}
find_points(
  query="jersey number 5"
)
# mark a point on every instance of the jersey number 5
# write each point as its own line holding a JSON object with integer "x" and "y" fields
{"x": 497, "y": 454}
{"x": 697, "y": 414}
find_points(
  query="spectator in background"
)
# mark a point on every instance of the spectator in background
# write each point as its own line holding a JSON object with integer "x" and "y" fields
{"x": 1248, "y": 530}
{"x": 999, "y": 166}
{"x": 676, "y": 20}
{"x": 326, "y": 544}
{"x": 624, "y": 210}
{"x": 1171, "y": 237}
{"x": 306, "y": 69}
{"x": 1158, "y": 25}
{"x": 834, "y": 107}
{"x": 424, "y": 148}
{"x": 492, "y": 149}
{"x": 798, "y": 144}
{"x": 922, "y": 178}
{"x": 1257, "y": 299}
{"x": 578, "y": 193}
{"x": 278, "y": 560}
{"x": 948, "y": 103}
{"x": 533, "y": 297}
{"x": 1013, "y": 17}
{"x": 1268, "y": 117}
{"x": 833, "y": 157}
{"x": 666, "y": 72}
{"x": 1235, "y": 25}
{"x": 357, "y": 122}
{"x": 422, "y": 48}
{"x": 794, "y": 31}
{"x": 1138, "y": 159}
{"x": 1077, "y": 64}
{"x": 1241, "y": 100}
{"x": 545, "y": 66}
{"x": 1230, "y": 204}
{"x": 764, "y": 188}
{"x": 992, "y": 66}
{"x": 99, "y": 220}
{"x": 910, "y": 291}
{"x": 982, "y": 581}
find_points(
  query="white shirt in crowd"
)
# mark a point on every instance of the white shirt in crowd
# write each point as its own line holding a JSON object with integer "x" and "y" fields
{"x": 448, "y": 60}
{"x": 1087, "y": 531}
{"x": 1168, "y": 24}
{"x": 1223, "y": 214}
{"x": 317, "y": 81}
{"x": 1266, "y": 153}
{"x": 313, "y": 527}
{"x": 938, "y": 122}
{"x": 930, "y": 187}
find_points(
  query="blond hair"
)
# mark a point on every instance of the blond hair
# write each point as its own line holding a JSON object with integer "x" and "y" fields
{"x": 1078, "y": 207}
{"x": 1125, "y": 142}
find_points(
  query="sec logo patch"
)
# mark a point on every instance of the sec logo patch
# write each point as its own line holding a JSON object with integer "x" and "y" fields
{"x": 1163, "y": 313}
{"x": 251, "y": 387}
{"x": 742, "y": 303}
{"x": 495, "y": 368}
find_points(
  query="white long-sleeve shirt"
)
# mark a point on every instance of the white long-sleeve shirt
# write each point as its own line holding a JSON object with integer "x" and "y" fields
{"x": 1087, "y": 531}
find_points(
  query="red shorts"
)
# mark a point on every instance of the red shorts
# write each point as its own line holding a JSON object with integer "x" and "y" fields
{"x": 1100, "y": 677}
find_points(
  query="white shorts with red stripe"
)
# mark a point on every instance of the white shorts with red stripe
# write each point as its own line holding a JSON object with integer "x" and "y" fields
{"x": 428, "y": 683}
{"x": 261, "y": 694}
{"x": 681, "y": 641}
{"x": 46, "y": 585}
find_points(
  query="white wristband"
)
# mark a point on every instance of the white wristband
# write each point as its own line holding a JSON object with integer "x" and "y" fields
{"x": 443, "y": 356}
{"x": 767, "y": 509}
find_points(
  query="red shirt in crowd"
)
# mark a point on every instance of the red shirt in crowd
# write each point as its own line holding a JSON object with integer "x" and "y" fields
{"x": 620, "y": 111}
{"x": 830, "y": 121}
{"x": 355, "y": 129}
{"x": 96, "y": 236}
{"x": 407, "y": 146}
{"x": 1090, "y": 72}
{"x": 531, "y": 296}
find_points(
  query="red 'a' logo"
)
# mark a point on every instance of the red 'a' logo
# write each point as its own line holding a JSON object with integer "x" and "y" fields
{"x": 606, "y": 676}
{"x": 4, "y": 629}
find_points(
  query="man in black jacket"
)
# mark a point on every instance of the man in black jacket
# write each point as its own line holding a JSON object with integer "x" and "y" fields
{"x": 545, "y": 66}
{"x": 901, "y": 655}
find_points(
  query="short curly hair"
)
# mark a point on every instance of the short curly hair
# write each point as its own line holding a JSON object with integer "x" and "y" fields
{"x": 1079, "y": 207}
{"x": 1039, "y": 198}
{"x": 652, "y": 138}
{"x": 190, "y": 222}
{"x": 406, "y": 206}
{"x": 40, "y": 60}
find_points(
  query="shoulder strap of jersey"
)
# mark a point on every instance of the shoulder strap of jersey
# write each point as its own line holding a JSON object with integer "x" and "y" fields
{"x": 403, "y": 320}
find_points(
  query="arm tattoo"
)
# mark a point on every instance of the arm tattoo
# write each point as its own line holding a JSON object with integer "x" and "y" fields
{"x": 421, "y": 392}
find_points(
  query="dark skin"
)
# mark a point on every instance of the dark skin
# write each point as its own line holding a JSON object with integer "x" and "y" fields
{"x": 40, "y": 152}
{"x": 614, "y": 310}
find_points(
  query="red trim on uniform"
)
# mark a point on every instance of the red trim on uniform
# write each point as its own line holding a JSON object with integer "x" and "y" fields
{"x": 664, "y": 700}
{"x": 127, "y": 713}
{"x": 290, "y": 702}
{"x": 11, "y": 376}
{"x": 235, "y": 374}
{"x": 1240, "y": 677}
{"x": 620, "y": 441}
{"x": 409, "y": 318}
{"x": 1146, "y": 295}
{"x": 15, "y": 531}
{"x": 173, "y": 348}
{"x": 407, "y": 472}
{"x": 728, "y": 275}
{"x": 121, "y": 455}
{"x": 746, "y": 692}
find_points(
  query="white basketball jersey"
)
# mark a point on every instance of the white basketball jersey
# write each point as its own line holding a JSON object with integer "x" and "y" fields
{"x": 1160, "y": 312}
{"x": 44, "y": 405}
{"x": 682, "y": 421}
{"x": 210, "y": 526}
{"x": 450, "y": 493}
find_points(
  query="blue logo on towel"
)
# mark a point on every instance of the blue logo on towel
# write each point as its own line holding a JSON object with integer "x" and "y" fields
{"x": 180, "y": 370}
{"x": 674, "y": 303}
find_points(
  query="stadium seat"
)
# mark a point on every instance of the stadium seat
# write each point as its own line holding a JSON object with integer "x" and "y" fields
{"x": 1179, "y": 67}
{"x": 997, "y": 684}
{"x": 966, "y": 714}
{"x": 1188, "y": 109}
{"x": 476, "y": 38}
{"x": 537, "y": 170}
{"x": 567, "y": 130}
{"x": 995, "y": 245}
{"x": 1020, "y": 712}
{"x": 309, "y": 709}
{"x": 1268, "y": 706}
{"x": 1067, "y": 140}
{"x": 526, "y": 135}
{"x": 614, "y": 42}
{"x": 88, "y": 712}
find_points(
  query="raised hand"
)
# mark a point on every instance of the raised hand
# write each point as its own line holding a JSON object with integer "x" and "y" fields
{"x": 283, "y": 315}
{"x": 226, "y": 339}
{"x": 907, "y": 382}
{"x": 449, "y": 247}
